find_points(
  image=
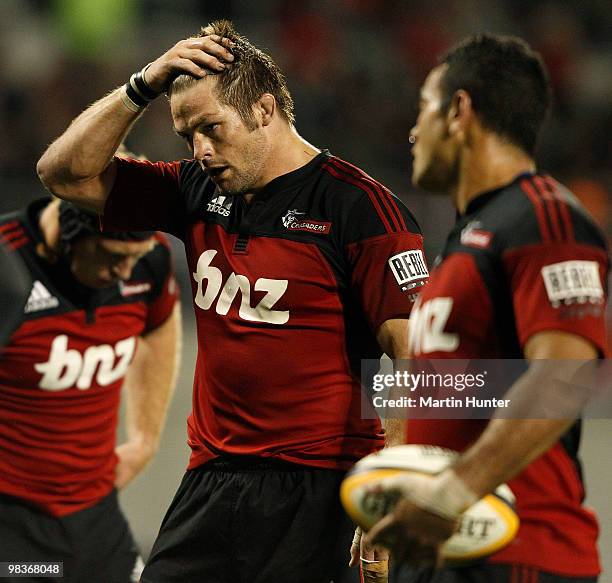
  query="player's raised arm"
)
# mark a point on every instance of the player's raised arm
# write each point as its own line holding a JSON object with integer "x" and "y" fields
{"x": 79, "y": 166}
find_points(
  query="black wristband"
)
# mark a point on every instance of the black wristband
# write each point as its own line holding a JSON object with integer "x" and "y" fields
{"x": 142, "y": 87}
{"x": 134, "y": 96}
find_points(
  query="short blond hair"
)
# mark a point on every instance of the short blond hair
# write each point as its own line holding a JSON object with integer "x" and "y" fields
{"x": 251, "y": 74}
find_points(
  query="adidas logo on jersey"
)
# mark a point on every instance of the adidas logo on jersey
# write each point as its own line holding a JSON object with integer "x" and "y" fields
{"x": 40, "y": 299}
{"x": 220, "y": 205}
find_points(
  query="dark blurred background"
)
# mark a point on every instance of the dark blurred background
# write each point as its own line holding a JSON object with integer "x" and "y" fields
{"x": 354, "y": 68}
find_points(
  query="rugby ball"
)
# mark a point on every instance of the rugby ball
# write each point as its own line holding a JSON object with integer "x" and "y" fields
{"x": 485, "y": 527}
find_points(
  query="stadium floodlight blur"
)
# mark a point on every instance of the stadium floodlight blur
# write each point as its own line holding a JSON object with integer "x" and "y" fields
{"x": 380, "y": 53}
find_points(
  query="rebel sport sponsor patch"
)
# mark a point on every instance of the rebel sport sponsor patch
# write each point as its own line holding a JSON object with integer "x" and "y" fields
{"x": 409, "y": 268}
{"x": 571, "y": 282}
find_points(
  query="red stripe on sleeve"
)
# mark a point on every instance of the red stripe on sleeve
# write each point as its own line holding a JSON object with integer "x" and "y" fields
{"x": 552, "y": 204}
{"x": 16, "y": 244}
{"x": 9, "y": 226}
{"x": 538, "y": 205}
{"x": 359, "y": 175}
{"x": 565, "y": 214}
{"x": 387, "y": 196}
{"x": 383, "y": 192}
{"x": 363, "y": 187}
{"x": 14, "y": 234}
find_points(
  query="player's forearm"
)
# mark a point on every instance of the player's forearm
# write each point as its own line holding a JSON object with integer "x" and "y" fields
{"x": 395, "y": 428}
{"x": 392, "y": 337}
{"x": 395, "y": 432}
{"x": 544, "y": 402}
{"x": 75, "y": 162}
{"x": 151, "y": 381}
{"x": 505, "y": 448}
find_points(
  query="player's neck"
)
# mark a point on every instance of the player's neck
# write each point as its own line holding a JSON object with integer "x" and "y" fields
{"x": 289, "y": 152}
{"x": 490, "y": 165}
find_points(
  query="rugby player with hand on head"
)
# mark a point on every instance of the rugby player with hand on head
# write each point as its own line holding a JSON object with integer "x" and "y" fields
{"x": 292, "y": 254}
{"x": 521, "y": 276}
{"x": 101, "y": 316}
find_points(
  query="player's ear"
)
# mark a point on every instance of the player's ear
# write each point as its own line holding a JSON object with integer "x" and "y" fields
{"x": 265, "y": 108}
{"x": 459, "y": 114}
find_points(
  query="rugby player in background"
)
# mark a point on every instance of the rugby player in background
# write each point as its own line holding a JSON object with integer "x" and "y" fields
{"x": 101, "y": 315}
{"x": 521, "y": 276}
{"x": 291, "y": 251}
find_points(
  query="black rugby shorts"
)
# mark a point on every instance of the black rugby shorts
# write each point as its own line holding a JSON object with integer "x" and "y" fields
{"x": 248, "y": 520}
{"x": 95, "y": 545}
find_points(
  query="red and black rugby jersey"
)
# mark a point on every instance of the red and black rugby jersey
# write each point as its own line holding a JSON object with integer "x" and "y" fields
{"x": 289, "y": 291}
{"x": 524, "y": 258}
{"x": 62, "y": 370}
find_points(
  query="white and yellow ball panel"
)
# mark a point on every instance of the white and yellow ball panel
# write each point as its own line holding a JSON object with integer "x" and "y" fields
{"x": 485, "y": 527}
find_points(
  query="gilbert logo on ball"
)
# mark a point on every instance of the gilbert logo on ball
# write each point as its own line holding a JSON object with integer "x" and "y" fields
{"x": 485, "y": 527}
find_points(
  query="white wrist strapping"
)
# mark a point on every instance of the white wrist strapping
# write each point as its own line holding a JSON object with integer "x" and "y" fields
{"x": 446, "y": 495}
{"x": 136, "y": 94}
{"x": 129, "y": 103}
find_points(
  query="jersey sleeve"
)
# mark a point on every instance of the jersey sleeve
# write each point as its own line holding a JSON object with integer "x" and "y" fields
{"x": 561, "y": 287}
{"x": 16, "y": 285}
{"x": 145, "y": 196}
{"x": 384, "y": 250}
{"x": 165, "y": 290}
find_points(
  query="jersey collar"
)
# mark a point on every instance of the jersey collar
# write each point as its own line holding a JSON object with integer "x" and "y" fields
{"x": 286, "y": 181}
{"x": 484, "y": 198}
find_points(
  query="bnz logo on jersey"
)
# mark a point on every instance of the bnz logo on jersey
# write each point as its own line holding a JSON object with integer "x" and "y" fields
{"x": 211, "y": 287}
{"x": 67, "y": 367}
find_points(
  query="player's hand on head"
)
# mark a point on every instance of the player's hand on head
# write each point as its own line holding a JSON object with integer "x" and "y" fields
{"x": 133, "y": 457}
{"x": 194, "y": 56}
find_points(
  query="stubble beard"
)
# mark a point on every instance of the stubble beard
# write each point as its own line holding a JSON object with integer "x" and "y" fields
{"x": 247, "y": 179}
